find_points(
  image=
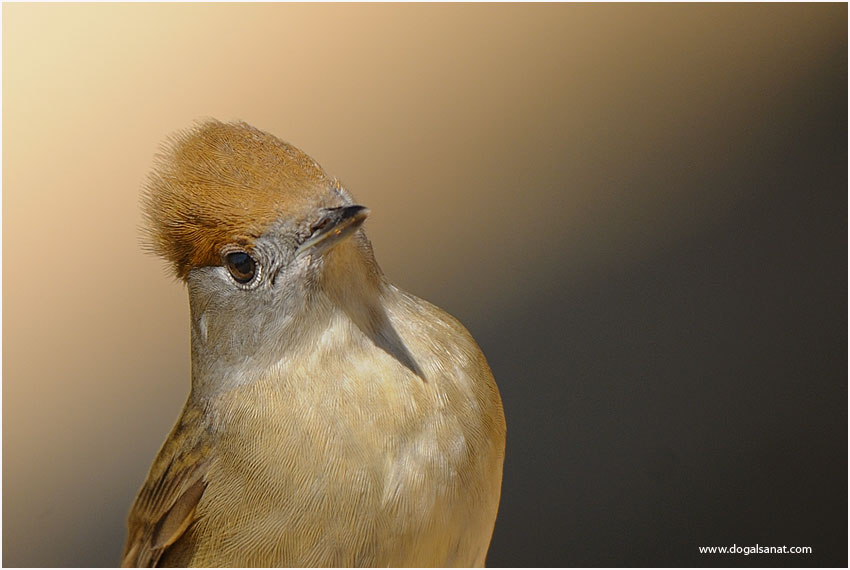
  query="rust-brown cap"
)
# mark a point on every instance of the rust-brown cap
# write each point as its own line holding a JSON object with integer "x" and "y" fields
{"x": 222, "y": 183}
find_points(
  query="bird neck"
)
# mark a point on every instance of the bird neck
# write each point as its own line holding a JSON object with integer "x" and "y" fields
{"x": 234, "y": 348}
{"x": 350, "y": 279}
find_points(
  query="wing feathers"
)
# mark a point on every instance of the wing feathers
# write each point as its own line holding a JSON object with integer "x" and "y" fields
{"x": 166, "y": 504}
{"x": 179, "y": 517}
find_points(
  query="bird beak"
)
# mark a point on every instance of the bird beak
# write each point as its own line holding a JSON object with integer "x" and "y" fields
{"x": 333, "y": 227}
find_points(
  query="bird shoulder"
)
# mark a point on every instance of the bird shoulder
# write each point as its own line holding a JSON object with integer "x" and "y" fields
{"x": 165, "y": 506}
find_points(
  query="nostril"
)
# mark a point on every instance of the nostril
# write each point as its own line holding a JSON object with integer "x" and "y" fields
{"x": 320, "y": 225}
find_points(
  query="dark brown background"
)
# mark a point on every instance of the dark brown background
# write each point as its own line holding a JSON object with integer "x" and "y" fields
{"x": 638, "y": 210}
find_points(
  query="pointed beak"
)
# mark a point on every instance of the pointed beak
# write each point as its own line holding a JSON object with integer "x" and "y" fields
{"x": 335, "y": 225}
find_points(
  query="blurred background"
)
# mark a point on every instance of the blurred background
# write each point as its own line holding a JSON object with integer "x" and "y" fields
{"x": 639, "y": 211}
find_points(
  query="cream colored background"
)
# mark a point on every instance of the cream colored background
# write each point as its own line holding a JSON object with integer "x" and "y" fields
{"x": 499, "y": 147}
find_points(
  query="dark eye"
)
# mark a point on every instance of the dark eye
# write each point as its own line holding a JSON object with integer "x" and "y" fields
{"x": 241, "y": 266}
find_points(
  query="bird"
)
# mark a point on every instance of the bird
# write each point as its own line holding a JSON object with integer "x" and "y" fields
{"x": 333, "y": 419}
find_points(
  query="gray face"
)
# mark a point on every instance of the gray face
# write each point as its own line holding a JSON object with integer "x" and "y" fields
{"x": 264, "y": 298}
{"x": 231, "y": 319}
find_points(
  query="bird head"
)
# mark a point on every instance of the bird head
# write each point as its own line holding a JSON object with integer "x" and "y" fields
{"x": 262, "y": 236}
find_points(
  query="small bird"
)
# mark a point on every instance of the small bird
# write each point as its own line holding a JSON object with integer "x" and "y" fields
{"x": 333, "y": 419}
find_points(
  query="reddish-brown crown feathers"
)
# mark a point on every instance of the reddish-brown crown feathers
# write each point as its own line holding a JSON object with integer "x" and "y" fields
{"x": 222, "y": 183}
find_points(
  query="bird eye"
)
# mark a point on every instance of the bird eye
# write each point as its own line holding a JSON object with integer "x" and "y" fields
{"x": 241, "y": 266}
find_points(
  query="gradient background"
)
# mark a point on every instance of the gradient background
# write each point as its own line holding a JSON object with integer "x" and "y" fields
{"x": 638, "y": 210}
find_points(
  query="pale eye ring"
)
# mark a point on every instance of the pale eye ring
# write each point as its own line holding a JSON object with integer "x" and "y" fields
{"x": 241, "y": 266}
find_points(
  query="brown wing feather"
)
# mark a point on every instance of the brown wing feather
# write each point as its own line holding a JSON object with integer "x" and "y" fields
{"x": 165, "y": 505}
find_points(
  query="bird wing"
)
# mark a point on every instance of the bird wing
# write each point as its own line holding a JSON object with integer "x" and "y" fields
{"x": 166, "y": 503}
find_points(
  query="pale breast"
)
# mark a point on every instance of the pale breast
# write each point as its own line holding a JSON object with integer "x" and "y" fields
{"x": 363, "y": 464}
